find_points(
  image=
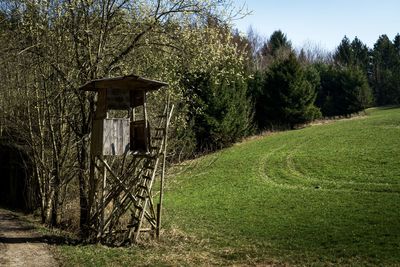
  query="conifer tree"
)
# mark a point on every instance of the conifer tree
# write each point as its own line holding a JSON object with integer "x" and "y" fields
{"x": 278, "y": 47}
{"x": 353, "y": 53}
{"x": 288, "y": 95}
{"x": 219, "y": 110}
{"x": 342, "y": 91}
{"x": 255, "y": 84}
{"x": 343, "y": 54}
{"x": 360, "y": 54}
{"x": 277, "y": 41}
{"x": 385, "y": 78}
{"x": 396, "y": 43}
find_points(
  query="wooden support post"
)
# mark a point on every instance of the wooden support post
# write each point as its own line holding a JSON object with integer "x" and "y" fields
{"x": 168, "y": 115}
{"x": 102, "y": 200}
{"x": 92, "y": 190}
{"x": 145, "y": 109}
{"x": 158, "y": 220}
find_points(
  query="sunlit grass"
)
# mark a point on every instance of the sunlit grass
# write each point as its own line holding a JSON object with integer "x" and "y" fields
{"x": 323, "y": 193}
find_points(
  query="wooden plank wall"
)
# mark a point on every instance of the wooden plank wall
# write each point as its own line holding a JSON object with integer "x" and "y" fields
{"x": 116, "y": 136}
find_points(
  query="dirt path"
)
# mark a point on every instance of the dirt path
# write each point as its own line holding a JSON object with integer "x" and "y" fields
{"x": 20, "y": 245}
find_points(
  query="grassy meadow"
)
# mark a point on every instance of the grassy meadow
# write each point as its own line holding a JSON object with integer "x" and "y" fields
{"x": 327, "y": 194}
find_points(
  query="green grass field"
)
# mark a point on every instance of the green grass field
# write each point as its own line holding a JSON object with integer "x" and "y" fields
{"x": 324, "y": 195}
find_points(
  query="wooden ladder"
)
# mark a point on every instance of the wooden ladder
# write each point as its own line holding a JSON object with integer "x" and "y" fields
{"x": 143, "y": 210}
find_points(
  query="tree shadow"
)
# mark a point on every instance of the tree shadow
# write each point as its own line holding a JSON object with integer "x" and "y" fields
{"x": 45, "y": 239}
{"x": 388, "y": 107}
{"x": 23, "y": 231}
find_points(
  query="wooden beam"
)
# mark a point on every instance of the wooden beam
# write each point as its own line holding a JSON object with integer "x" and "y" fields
{"x": 160, "y": 203}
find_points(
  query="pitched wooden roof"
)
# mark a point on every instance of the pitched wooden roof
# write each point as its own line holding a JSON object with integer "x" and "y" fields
{"x": 129, "y": 82}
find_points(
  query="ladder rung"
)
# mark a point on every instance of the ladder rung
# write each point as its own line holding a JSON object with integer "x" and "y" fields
{"x": 149, "y": 167}
{"x": 146, "y": 230}
{"x": 141, "y": 197}
{"x": 158, "y": 138}
{"x": 131, "y": 225}
{"x": 142, "y": 187}
{"x": 138, "y": 207}
{"x": 146, "y": 177}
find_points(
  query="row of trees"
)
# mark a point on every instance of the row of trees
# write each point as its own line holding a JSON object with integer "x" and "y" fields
{"x": 225, "y": 86}
{"x": 290, "y": 88}
{"x": 381, "y": 65}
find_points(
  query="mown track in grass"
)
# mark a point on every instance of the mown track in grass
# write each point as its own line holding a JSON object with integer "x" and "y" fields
{"x": 360, "y": 155}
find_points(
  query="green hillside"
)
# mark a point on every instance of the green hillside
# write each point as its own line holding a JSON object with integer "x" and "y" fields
{"x": 325, "y": 194}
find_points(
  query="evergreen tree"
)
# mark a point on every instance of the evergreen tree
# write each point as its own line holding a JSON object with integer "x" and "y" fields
{"x": 356, "y": 90}
{"x": 353, "y": 53}
{"x": 396, "y": 43}
{"x": 342, "y": 91}
{"x": 343, "y": 55}
{"x": 278, "y": 47}
{"x": 360, "y": 54}
{"x": 277, "y": 41}
{"x": 384, "y": 52}
{"x": 219, "y": 110}
{"x": 255, "y": 84}
{"x": 288, "y": 95}
{"x": 385, "y": 76}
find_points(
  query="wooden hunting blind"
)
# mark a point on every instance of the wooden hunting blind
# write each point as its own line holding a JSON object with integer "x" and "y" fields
{"x": 121, "y": 193}
{"x": 116, "y": 136}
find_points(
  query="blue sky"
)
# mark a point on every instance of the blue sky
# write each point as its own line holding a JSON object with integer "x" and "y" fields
{"x": 324, "y": 22}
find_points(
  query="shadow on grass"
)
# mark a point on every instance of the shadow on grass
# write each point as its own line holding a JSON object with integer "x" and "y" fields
{"x": 17, "y": 229}
{"x": 46, "y": 239}
{"x": 388, "y": 107}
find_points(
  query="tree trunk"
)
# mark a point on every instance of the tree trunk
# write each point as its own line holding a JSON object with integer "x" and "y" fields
{"x": 83, "y": 198}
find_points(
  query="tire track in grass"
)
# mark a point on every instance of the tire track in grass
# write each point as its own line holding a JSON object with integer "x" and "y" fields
{"x": 293, "y": 177}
